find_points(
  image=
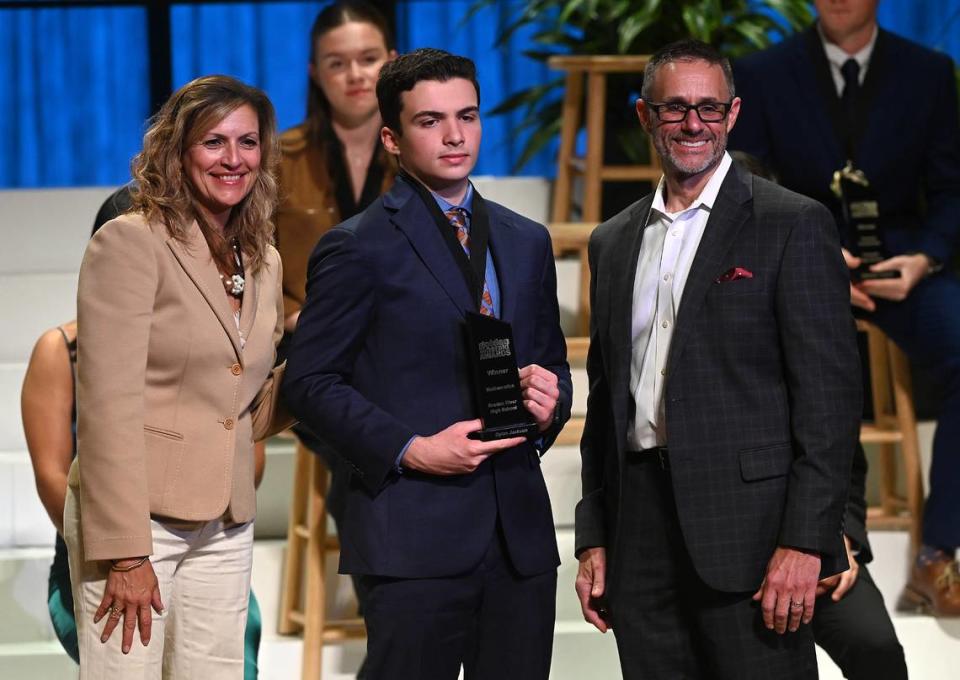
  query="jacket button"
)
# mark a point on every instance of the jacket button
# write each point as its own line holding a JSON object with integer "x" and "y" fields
{"x": 228, "y": 424}
{"x": 236, "y": 369}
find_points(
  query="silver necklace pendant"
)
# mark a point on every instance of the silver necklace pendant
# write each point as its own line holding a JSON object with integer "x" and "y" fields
{"x": 234, "y": 284}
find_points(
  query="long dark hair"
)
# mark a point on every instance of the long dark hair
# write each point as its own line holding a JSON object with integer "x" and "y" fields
{"x": 333, "y": 16}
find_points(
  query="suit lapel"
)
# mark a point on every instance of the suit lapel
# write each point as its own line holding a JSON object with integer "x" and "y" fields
{"x": 878, "y": 69}
{"x": 812, "y": 70}
{"x": 730, "y": 211}
{"x": 416, "y": 223}
{"x": 501, "y": 234}
{"x": 251, "y": 298}
{"x": 623, "y": 273}
{"x": 194, "y": 256}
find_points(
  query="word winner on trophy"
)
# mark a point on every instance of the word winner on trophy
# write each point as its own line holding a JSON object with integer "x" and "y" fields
{"x": 496, "y": 380}
{"x": 860, "y": 214}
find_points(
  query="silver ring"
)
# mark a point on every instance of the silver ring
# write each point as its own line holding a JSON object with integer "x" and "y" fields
{"x": 116, "y": 612}
{"x": 796, "y": 605}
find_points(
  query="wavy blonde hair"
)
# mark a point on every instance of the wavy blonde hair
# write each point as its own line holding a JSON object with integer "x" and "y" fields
{"x": 163, "y": 190}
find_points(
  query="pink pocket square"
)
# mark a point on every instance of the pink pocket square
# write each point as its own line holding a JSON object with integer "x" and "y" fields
{"x": 733, "y": 274}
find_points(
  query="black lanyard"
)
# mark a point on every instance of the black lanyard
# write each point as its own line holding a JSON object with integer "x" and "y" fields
{"x": 473, "y": 267}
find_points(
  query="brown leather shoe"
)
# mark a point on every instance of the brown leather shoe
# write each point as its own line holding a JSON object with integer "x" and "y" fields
{"x": 933, "y": 588}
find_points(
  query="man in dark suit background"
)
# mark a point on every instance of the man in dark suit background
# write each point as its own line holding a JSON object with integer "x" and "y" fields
{"x": 724, "y": 403}
{"x": 453, "y": 538}
{"x": 846, "y": 90}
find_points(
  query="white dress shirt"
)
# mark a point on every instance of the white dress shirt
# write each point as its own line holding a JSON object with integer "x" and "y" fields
{"x": 836, "y": 56}
{"x": 670, "y": 242}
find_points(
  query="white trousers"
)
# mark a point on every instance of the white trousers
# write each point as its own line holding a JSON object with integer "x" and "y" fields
{"x": 204, "y": 573}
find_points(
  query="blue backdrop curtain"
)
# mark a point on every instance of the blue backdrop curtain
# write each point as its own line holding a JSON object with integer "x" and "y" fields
{"x": 74, "y": 94}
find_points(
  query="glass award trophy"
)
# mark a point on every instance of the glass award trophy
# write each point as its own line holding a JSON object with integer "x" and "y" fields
{"x": 496, "y": 380}
{"x": 860, "y": 211}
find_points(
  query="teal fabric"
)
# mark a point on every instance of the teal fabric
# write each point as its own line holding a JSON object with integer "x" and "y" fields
{"x": 61, "y": 616}
{"x": 251, "y": 639}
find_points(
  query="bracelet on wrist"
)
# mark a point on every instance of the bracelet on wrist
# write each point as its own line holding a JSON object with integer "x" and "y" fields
{"x": 129, "y": 567}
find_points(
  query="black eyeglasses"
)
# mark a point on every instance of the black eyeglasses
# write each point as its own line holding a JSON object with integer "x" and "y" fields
{"x": 674, "y": 112}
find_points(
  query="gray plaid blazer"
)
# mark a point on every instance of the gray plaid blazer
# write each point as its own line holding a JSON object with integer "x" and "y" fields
{"x": 763, "y": 391}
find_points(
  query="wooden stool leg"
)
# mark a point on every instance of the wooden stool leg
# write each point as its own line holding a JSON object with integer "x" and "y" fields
{"x": 314, "y": 609}
{"x": 572, "y": 98}
{"x": 596, "y": 111}
{"x": 293, "y": 569}
{"x": 888, "y": 480}
{"x": 902, "y": 393}
{"x": 882, "y": 407}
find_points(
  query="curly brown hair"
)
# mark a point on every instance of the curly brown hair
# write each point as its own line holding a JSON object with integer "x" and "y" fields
{"x": 163, "y": 191}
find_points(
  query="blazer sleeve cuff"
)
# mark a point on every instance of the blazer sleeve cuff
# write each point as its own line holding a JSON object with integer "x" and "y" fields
{"x": 118, "y": 548}
{"x": 590, "y": 531}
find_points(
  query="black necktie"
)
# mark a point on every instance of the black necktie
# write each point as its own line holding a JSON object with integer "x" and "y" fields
{"x": 851, "y": 84}
{"x": 851, "y": 89}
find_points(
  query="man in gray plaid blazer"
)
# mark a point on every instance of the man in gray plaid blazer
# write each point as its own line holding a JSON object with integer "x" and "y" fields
{"x": 724, "y": 403}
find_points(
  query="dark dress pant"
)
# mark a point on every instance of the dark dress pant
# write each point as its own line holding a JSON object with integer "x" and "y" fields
{"x": 494, "y": 621}
{"x": 857, "y": 633}
{"x": 668, "y": 623}
{"x": 926, "y": 326}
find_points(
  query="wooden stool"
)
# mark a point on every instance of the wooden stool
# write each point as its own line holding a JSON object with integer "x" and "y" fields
{"x": 894, "y": 423}
{"x": 591, "y": 168}
{"x": 307, "y": 547}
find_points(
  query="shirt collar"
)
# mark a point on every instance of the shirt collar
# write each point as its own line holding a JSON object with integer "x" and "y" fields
{"x": 466, "y": 204}
{"x": 836, "y": 56}
{"x": 707, "y": 197}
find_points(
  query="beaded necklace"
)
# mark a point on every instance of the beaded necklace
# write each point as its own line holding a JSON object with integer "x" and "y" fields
{"x": 235, "y": 282}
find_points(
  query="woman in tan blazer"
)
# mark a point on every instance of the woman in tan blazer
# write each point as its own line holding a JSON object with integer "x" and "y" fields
{"x": 179, "y": 311}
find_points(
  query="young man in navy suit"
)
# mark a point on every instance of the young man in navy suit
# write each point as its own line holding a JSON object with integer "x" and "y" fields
{"x": 453, "y": 537}
{"x": 846, "y": 89}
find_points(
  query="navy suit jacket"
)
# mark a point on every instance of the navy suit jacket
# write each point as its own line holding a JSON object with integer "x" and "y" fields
{"x": 379, "y": 355}
{"x": 907, "y": 143}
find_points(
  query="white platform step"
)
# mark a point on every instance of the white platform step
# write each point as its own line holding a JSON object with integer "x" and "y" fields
{"x": 29, "y": 649}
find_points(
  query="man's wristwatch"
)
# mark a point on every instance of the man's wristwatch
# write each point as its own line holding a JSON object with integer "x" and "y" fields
{"x": 933, "y": 265}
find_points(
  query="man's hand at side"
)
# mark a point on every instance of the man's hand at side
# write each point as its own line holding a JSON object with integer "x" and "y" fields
{"x": 791, "y": 578}
{"x": 450, "y": 452}
{"x": 540, "y": 393}
{"x": 591, "y": 586}
{"x": 841, "y": 584}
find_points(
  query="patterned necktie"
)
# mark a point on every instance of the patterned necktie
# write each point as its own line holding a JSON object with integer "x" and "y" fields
{"x": 458, "y": 220}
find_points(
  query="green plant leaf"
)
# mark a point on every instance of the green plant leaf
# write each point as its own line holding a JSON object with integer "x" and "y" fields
{"x": 569, "y": 8}
{"x": 536, "y": 142}
{"x": 633, "y": 25}
{"x": 526, "y": 96}
{"x": 754, "y": 33}
{"x": 796, "y": 12}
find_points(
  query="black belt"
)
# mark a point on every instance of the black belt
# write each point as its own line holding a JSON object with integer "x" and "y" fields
{"x": 657, "y": 454}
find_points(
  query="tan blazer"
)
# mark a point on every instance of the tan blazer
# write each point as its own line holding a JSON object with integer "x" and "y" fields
{"x": 168, "y": 405}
